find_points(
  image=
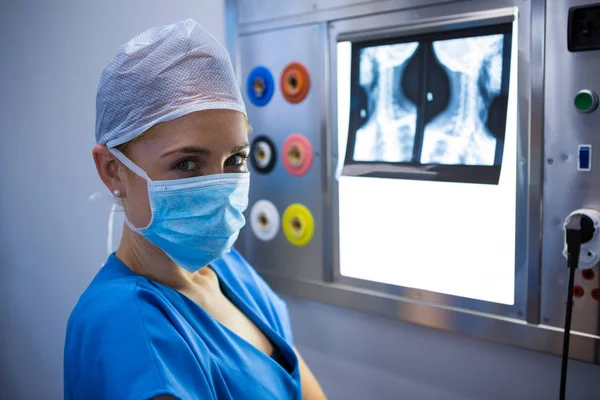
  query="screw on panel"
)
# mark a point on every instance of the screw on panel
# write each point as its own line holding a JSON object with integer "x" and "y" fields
{"x": 550, "y": 161}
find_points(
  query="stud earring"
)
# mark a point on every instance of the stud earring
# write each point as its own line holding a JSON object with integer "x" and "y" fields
{"x": 117, "y": 193}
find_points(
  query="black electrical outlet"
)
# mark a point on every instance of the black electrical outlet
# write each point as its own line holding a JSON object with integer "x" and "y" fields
{"x": 584, "y": 28}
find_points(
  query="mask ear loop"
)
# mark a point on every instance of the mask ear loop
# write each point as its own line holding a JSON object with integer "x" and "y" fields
{"x": 139, "y": 172}
{"x": 111, "y": 224}
{"x": 115, "y": 207}
{"x": 129, "y": 164}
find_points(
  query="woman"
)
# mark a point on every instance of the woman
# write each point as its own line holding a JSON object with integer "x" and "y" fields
{"x": 175, "y": 313}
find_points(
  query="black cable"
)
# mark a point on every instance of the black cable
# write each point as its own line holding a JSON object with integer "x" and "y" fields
{"x": 567, "y": 335}
{"x": 574, "y": 234}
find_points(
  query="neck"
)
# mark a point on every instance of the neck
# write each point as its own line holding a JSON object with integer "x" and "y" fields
{"x": 144, "y": 258}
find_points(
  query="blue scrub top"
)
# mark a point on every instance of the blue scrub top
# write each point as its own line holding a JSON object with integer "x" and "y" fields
{"x": 132, "y": 338}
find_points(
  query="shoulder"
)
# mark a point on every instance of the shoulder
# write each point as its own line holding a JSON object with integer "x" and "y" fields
{"x": 120, "y": 343}
{"x": 117, "y": 298}
{"x": 110, "y": 318}
{"x": 106, "y": 305}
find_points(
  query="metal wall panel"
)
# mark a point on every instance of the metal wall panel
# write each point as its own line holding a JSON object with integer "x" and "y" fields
{"x": 565, "y": 188}
{"x": 260, "y": 15}
{"x": 549, "y": 131}
{"x": 277, "y": 120}
{"x": 264, "y": 10}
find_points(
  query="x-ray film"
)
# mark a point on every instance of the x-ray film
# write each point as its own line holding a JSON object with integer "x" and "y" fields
{"x": 431, "y": 107}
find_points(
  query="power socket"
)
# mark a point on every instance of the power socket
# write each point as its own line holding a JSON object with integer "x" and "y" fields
{"x": 590, "y": 244}
{"x": 584, "y": 28}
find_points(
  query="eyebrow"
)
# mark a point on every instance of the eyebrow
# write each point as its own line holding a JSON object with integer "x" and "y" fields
{"x": 237, "y": 149}
{"x": 188, "y": 150}
{"x": 202, "y": 150}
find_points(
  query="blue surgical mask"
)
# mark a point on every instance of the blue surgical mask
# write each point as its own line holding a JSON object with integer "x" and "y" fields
{"x": 194, "y": 220}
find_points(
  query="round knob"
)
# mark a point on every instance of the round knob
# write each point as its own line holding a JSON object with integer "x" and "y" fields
{"x": 586, "y": 101}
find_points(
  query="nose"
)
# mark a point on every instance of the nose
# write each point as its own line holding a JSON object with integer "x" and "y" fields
{"x": 215, "y": 167}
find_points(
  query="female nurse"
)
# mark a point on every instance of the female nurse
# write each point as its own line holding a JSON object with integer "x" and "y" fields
{"x": 176, "y": 313}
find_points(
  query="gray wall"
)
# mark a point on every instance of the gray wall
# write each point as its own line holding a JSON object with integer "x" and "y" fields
{"x": 52, "y": 240}
{"x": 359, "y": 357}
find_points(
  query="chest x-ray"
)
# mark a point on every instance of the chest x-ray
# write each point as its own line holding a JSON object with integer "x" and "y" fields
{"x": 430, "y": 103}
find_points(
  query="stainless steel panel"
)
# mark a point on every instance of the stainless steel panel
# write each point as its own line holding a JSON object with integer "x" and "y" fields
{"x": 549, "y": 77}
{"x": 566, "y": 189}
{"x": 533, "y": 105}
{"x": 501, "y": 330}
{"x": 264, "y": 10}
{"x": 277, "y": 120}
{"x": 437, "y": 19}
{"x": 273, "y": 14}
{"x": 350, "y": 9}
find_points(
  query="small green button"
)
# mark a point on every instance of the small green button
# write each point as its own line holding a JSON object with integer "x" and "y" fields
{"x": 586, "y": 101}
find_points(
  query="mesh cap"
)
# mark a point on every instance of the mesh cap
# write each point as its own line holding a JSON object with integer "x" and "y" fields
{"x": 162, "y": 74}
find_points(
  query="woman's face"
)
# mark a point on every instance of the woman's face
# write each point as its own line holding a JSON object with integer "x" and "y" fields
{"x": 201, "y": 143}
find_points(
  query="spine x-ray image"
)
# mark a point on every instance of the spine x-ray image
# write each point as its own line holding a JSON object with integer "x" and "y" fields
{"x": 440, "y": 100}
{"x": 391, "y": 118}
{"x": 459, "y": 134}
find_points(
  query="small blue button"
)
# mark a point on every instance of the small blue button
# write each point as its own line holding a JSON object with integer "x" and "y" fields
{"x": 584, "y": 159}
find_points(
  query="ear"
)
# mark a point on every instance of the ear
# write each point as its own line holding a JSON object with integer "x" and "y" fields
{"x": 108, "y": 168}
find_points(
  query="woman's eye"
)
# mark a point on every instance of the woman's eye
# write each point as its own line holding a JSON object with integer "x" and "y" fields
{"x": 186, "y": 165}
{"x": 237, "y": 160}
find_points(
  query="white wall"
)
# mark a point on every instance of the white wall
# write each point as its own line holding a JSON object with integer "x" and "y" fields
{"x": 52, "y": 240}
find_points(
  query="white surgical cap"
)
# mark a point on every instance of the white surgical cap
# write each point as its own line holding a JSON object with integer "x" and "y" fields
{"x": 162, "y": 74}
